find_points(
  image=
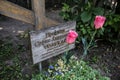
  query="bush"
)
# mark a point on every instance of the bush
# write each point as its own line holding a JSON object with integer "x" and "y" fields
{"x": 112, "y": 29}
{"x": 84, "y": 11}
{"x": 75, "y": 70}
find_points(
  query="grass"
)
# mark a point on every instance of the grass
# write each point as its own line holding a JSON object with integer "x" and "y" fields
{"x": 6, "y": 50}
{"x": 10, "y": 62}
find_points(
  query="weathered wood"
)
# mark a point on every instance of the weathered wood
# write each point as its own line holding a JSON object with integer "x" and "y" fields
{"x": 50, "y": 42}
{"x": 49, "y": 22}
{"x": 17, "y": 12}
{"x": 38, "y": 7}
{"x": 39, "y": 10}
{"x": 14, "y": 11}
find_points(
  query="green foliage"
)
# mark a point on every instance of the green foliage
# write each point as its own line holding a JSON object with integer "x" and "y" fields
{"x": 9, "y": 69}
{"x": 112, "y": 28}
{"x": 10, "y": 63}
{"x": 75, "y": 70}
{"x": 12, "y": 71}
{"x": 5, "y": 50}
{"x": 84, "y": 12}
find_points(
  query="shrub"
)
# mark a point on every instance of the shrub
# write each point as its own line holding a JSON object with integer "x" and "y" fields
{"x": 84, "y": 11}
{"x": 112, "y": 28}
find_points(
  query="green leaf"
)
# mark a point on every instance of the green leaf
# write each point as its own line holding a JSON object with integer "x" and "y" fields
{"x": 85, "y": 16}
{"x": 83, "y": 31}
{"x": 98, "y": 11}
{"x": 92, "y": 22}
{"x": 84, "y": 41}
{"x": 65, "y": 8}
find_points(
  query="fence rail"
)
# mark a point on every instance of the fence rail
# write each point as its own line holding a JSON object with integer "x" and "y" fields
{"x": 35, "y": 16}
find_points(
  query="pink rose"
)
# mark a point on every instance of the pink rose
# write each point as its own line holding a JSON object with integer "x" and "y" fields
{"x": 71, "y": 37}
{"x": 99, "y": 21}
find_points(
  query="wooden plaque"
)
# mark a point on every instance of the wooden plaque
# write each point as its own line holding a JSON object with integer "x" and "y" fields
{"x": 50, "y": 42}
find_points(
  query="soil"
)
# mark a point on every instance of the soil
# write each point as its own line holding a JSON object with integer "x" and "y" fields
{"x": 105, "y": 57}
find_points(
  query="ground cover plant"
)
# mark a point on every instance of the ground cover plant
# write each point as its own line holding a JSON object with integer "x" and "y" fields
{"x": 10, "y": 61}
{"x": 8, "y": 68}
{"x": 74, "y": 70}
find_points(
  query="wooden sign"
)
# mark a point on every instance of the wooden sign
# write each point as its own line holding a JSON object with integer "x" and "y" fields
{"x": 50, "y": 42}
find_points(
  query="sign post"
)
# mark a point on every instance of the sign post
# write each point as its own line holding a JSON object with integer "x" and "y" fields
{"x": 39, "y": 10}
{"x": 49, "y": 42}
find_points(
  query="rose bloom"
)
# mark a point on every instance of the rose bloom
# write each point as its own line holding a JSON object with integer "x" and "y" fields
{"x": 99, "y": 21}
{"x": 71, "y": 37}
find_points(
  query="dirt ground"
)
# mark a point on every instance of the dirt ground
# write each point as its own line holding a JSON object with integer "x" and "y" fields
{"x": 105, "y": 58}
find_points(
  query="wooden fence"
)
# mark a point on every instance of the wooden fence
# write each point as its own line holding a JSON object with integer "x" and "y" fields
{"x": 36, "y": 16}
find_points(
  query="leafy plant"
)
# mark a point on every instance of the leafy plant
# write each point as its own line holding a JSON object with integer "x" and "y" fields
{"x": 84, "y": 11}
{"x": 112, "y": 32}
{"x": 75, "y": 70}
{"x": 6, "y": 50}
{"x": 10, "y": 64}
{"x": 10, "y": 70}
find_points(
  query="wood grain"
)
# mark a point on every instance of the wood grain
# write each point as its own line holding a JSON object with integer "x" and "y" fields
{"x": 50, "y": 42}
{"x": 39, "y": 10}
{"x": 17, "y": 12}
{"x": 14, "y": 11}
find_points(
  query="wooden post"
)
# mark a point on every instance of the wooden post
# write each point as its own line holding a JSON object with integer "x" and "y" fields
{"x": 35, "y": 17}
{"x": 39, "y": 11}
